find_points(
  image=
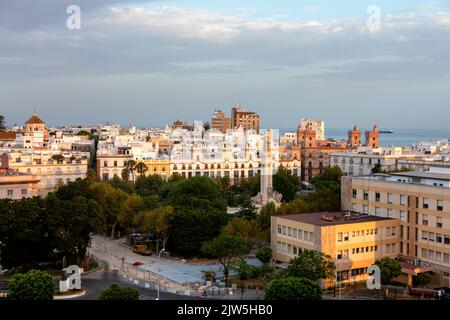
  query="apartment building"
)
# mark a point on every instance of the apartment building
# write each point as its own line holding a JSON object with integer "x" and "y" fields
{"x": 220, "y": 122}
{"x": 365, "y": 159}
{"x": 316, "y": 126}
{"x": 52, "y": 170}
{"x": 420, "y": 201}
{"x": 355, "y": 241}
{"x": 245, "y": 119}
{"x": 15, "y": 185}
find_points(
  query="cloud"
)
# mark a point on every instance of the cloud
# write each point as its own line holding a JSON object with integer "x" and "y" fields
{"x": 312, "y": 9}
{"x": 162, "y": 56}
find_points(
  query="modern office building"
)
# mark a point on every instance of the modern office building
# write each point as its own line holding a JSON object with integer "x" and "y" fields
{"x": 420, "y": 201}
{"x": 353, "y": 240}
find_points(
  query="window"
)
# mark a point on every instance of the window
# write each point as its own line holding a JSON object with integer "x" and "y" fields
{"x": 402, "y": 215}
{"x": 354, "y": 207}
{"x": 345, "y": 236}
{"x": 279, "y": 229}
{"x": 10, "y": 193}
{"x": 366, "y": 209}
{"x": 447, "y": 240}
{"x": 340, "y": 237}
{"x": 284, "y": 230}
{"x": 355, "y": 193}
{"x": 388, "y": 231}
{"x": 24, "y": 192}
{"x": 403, "y": 200}
{"x": 289, "y": 232}
{"x": 425, "y": 219}
{"x": 390, "y": 198}
{"x": 439, "y": 222}
{"x": 425, "y": 203}
{"x": 105, "y": 163}
{"x": 431, "y": 236}
{"x": 438, "y": 238}
{"x": 294, "y": 233}
{"x": 377, "y": 197}
{"x": 377, "y": 212}
{"x": 300, "y": 234}
{"x": 366, "y": 195}
{"x": 390, "y": 213}
{"x": 424, "y": 235}
{"x": 440, "y": 205}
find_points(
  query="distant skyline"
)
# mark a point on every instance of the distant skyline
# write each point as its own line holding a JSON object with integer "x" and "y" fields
{"x": 149, "y": 63}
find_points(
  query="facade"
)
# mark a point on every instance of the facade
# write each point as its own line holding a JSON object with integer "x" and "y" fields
{"x": 245, "y": 119}
{"x": 373, "y": 137}
{"x": 316, "y": 126}
{"x": 355, "y": 241}
{"x": 51, "y": 171}
{"x": 220, "y": 122}
{"x": 236, "y": 154}
{"x": 15, "y": 185}
{"x": 420, "y": 201}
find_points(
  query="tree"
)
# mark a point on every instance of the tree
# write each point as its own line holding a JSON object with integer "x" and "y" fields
{"x": 192, "y": 227}
{"x": 264, "y": 254}
{"x": 58, "y": 158}
{"x": 293, "y": 289}
{"x": 33, "y": 285}
{"x": 130, "y": 209}
{"x": 422, "y": 279}
{"x": 226, "y": 248}
{"x": 149, "y": 185}
{"x": 110, "y": 202}
{"x": 311, "y": 264}
{"x": 118, "y": 293}
{"x": 141, "y": 168}
{"x": 265, "y": 215}
{"x": 2, "y": 123}
{"x": 158, "y": 221}
{"x": 198, "y": 193}
{"x": 247, "y": 209}
{"x": 330, "y": 177}
{"x": 286, "y": 184}
{"x": 248, "y": 230}
{"x": 390, "y": 269}
{"x": 131, "y": 165}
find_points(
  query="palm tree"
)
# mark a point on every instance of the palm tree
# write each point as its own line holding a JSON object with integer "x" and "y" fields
{"x": 131, "y": 165}
{"x": 141, "y": 168}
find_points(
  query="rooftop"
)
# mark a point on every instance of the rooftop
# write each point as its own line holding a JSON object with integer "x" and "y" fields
{"x": 333, "y": 218}
{"x": 424, "y": 174}
{"x": 35, "y": 120}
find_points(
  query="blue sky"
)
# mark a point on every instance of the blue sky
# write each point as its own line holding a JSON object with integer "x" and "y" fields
{"x": 299, "y": 10}
{"x": 152, "y": 62}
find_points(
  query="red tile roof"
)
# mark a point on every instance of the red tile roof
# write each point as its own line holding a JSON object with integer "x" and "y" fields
{"x": 7, "y": 135}
{"x": 35, "y": 120}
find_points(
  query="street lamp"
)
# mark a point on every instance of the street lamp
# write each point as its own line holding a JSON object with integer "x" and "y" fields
{"x": 159, "y": 272}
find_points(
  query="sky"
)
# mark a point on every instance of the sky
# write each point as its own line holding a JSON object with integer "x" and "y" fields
{"x": 149, "y": 63}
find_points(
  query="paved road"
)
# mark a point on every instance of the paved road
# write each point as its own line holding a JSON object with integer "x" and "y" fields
{"x": 95, "y": 282}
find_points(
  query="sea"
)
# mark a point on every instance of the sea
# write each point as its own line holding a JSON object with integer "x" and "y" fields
{"x": 400, "y": 137}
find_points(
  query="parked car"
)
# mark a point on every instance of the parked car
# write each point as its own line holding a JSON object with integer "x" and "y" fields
{"x": 142, "y": 249}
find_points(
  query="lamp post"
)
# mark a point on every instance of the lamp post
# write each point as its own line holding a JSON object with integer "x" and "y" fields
{"x": 159, "y": 272}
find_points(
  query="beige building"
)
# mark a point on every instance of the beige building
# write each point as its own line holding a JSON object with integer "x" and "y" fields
{"x": 355, "y": 241}
{"x": 15, "y": 185}
{"x": 51, "y": 170}
{"x": 220, "y": 122}
{"x": 245, "y": 119}
{"x": 420, "y": 201}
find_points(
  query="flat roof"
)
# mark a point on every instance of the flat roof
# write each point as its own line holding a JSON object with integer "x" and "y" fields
{"x": 333, "y": 218}
{"x": 423, "y": 174}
